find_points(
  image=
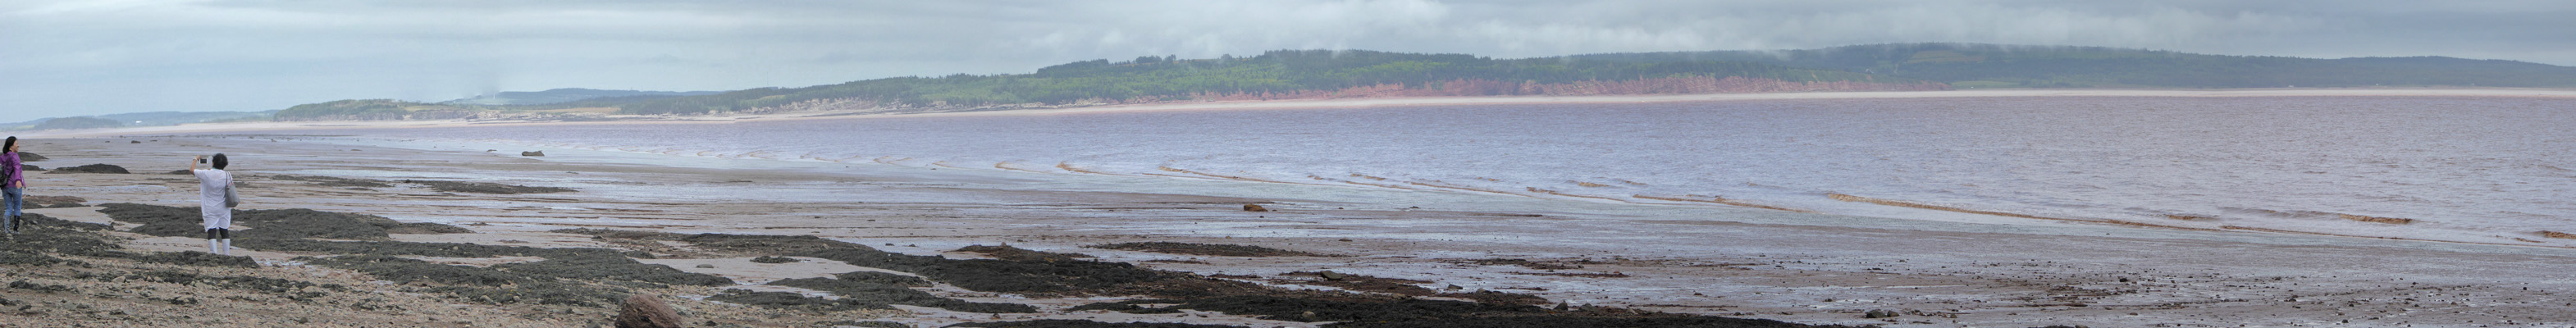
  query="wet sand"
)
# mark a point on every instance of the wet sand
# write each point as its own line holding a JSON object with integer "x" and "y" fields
{"x": 1815, "y": 269}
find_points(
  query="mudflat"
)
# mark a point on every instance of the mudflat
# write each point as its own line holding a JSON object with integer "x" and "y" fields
{"x": 729, "y": 247}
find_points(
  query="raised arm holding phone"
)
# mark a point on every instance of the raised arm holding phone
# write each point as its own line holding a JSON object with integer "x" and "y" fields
{"x": 215, "y": 188}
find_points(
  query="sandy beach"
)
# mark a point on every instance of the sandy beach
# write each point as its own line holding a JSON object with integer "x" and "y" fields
{"x": 1734, "y": 262}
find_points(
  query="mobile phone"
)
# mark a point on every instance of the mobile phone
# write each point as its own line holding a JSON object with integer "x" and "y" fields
{"x": 201, "y": 160}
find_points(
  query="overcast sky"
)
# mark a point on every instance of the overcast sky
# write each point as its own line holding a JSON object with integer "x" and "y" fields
{"x": 67, "y": 58}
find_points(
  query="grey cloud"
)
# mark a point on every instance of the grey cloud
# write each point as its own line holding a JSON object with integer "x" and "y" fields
{"x": 60, "y": 58}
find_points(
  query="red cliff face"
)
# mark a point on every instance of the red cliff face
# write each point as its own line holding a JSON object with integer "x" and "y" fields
{"x": 1678, "y": 85}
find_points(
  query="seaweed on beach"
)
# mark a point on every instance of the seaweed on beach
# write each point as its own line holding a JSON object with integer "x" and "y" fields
{"x": 1410, "y": 312}
{"x": 306, "y": 223}
{"x": 43, "y": 239}
{"x": 1362, "y": 283}
{"x": 877, "y": 293}
{"x": 196, "y": 258}
{"x": 485, "y": 187}
{"x": 475, "y": 284}
{"x": 172, "y": 221}
{"x": 403, "y": 270}
{"x": 54, "y": 201}
{"x": 423, "y": 249}
{"x": 92, "y": 168}
{"x": 257, "y": 284}
{"x": 1523, "y": 263}
{"x": 1206, "y": 249}
{"x": 1305, "y": 309}
{"x": 762, "y": 244}
{"x": 1007, "y": 253}
{"x": 1063, "y": 323}
{"x": 1044, "y": 274}
{"x": 869, "y": 324}
{"x": 1022, "y": 271}
{"x": 156, "y": 220}
{"x": 1005, "y": 276}
{"x": 793, "y": 301}
{"x": 32, "y": 220}
{"x": 612, "y": 267}
{"x": 422, "y": 228}
{"x": 1582, "y": 322}
{"x": 25, "y": 258}
{"x": 883, "y": 278}
{"x": 329, "y": 181}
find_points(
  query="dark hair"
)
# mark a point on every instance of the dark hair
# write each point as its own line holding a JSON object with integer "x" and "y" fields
{"x": 219, "y": 161}
{"x": 13, "y": 142}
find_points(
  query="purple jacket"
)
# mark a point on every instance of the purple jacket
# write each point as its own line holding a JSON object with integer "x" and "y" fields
{"x": 17, "y": 172}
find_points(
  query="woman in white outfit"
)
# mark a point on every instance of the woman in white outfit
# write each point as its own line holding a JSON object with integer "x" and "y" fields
{"x": 212, "y": 185}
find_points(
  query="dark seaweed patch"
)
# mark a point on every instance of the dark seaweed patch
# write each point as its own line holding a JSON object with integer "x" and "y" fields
{"x": 305, "y": 223}
{"x": 39, "y": 287}
{"x": 22, "y": 258}
{"x": 883, "y": 278}
{"x": 728, "y": 244}
{"x": 485, "y": 187}
{"x": 92, "y": 168}
{"x": 197, "y": 258}
{"x": 1004, "y": 276}
{"x": 612, "y": 267}
{"x": 786, "y": 300}
{"x": 1296, "y": 309}
{"x": 1364, "y": 283}
{"x": 38, "y": 239}
{"x": 1408, "y": 312}
{"x": 54, "y": 201}
{"x": 1523, "y": 263}
{"x": 876, "y": 293}
{"x": 425, "y": 228}
{"x": 423, "y": 249}
{"x": 1061, "y": 323}
{"x": 1206, "y": 249}
{"x": 33, "y": 220}
{"x": 293, "y": 223}
{"x": 1008, "y": 253}
{"x": 869, "y": 324}
{"x": 258, "y": 284}
{"x": 1582, "y": 322}
{"x": 774, "y": 260}
{"x": 403, "y": 270}
{"x": 327, "y": 181}
{"x": 477, "y": 284}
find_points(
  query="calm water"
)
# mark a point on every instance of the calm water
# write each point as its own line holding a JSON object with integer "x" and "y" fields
{"x": 2466, "y": 169}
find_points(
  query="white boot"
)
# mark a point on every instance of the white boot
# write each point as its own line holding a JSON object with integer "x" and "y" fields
{"x": 212, "y": 247}
{"x": 228, "y": 246}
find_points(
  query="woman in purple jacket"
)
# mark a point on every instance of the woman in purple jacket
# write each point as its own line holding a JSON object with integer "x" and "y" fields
{"x": 13, "y": 190}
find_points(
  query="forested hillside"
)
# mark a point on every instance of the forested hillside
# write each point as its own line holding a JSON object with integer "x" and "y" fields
{"x": 1298, "y": 74}
{"x": 564, "y": 95}
{"x": 1323, "y": 74}
{"x": 1993, "y": 66}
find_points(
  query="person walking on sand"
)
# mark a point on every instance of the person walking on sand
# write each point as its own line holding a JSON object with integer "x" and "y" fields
{"x": 216, "y": 187}
{"x": 13, "y": 186}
